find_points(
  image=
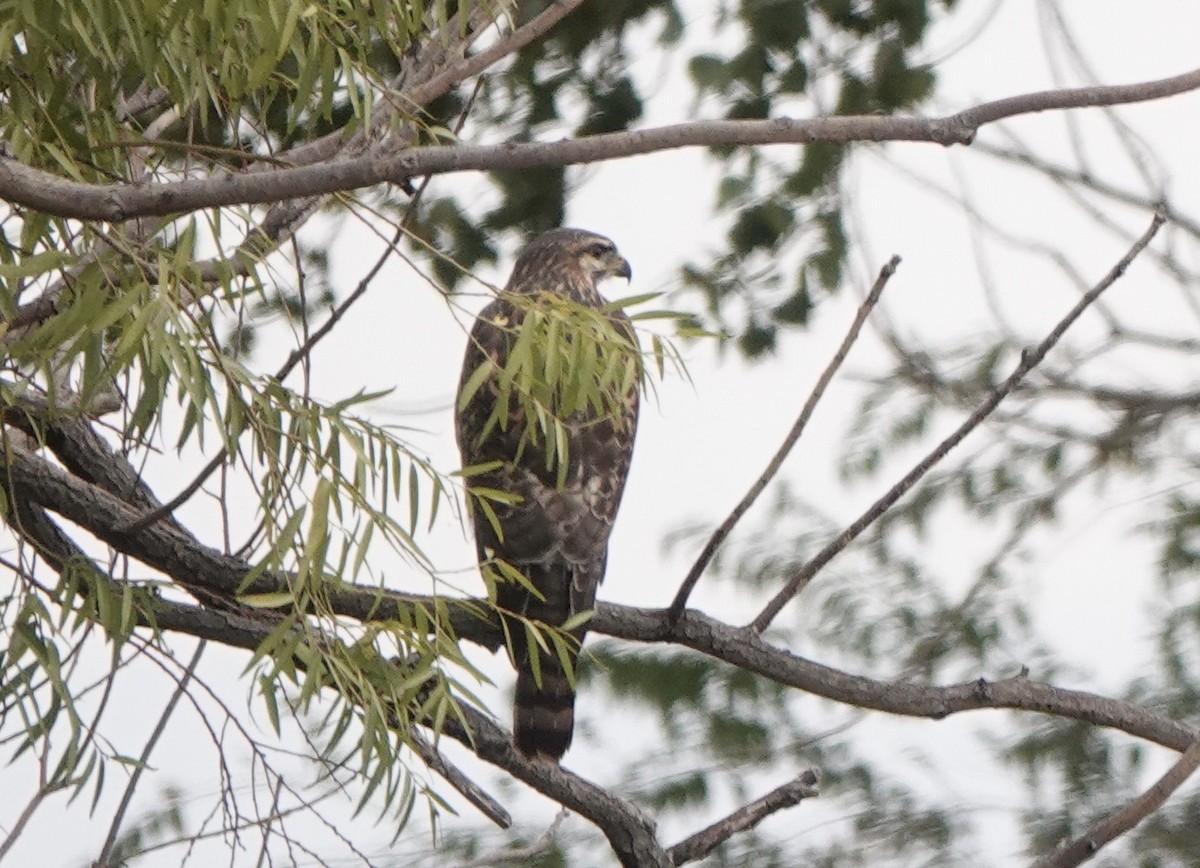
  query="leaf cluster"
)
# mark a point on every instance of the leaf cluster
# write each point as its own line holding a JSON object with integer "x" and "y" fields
{"x": 564, "y": 362}
{"x": 76, "y": 72}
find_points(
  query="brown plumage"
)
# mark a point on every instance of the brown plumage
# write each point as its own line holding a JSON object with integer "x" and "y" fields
{"x": 556, "y": 534}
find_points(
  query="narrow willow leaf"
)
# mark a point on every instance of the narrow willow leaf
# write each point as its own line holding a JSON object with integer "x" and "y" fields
{"x": 271, "y": 701}
{"x": 577, "y": 620}
{"x": 565, "y": 654}
{"x": 533, "y": 640}
{"x": 479, "y": 376}
{"x": 414, "y": 498}
{"x": 633, "y": 301}
{"x": 269, "y": 600}
{"x": 476, "y": 469}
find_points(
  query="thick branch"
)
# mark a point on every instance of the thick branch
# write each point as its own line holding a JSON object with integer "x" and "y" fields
{"x": 171, "y": 550}
{"x": 632, "y": 834}
{"x": 747, "y": 649}
{"x": 458, "y": 779}
{"x": 52, "y": 194}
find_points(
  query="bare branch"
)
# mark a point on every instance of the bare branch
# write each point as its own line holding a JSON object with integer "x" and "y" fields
{"x": 456, "y": 778}
{"x": 52, "y": 194}
{"x": 1030, "y": 359}
{"x": 630, "y": 832}
{"x": 413, "y": 85}
{"x": 1085, "y": 178}
{"x": 696, "y": 847}
{"x": 35, "y": 802}
{"x": 527, "y": 33}
{"x": 522, "y": 855}
{"x": 747, "y": 649}
{"x": 789, "y": 442}
{"x": 105, "y": 859}
{"x": 169, "y": 549}
{"x": 1088, "y": 844}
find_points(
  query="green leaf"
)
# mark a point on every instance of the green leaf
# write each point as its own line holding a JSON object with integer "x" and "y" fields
{"x": 270, "y": 600}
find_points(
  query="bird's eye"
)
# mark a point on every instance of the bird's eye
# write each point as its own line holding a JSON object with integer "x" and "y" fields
{"x": 599, "y": 249}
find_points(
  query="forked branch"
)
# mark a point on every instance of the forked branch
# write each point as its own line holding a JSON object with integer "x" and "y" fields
{"x": 1030, "y": 359}
{"x": 721, "y": 533}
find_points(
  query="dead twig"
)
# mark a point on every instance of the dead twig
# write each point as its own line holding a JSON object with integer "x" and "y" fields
{"x": 522, "y": 855}
{"x": 108, "y": 850}
{"x": 1030, "y": 359}
{"x": 721, "y": 533}
{"x": 696, "y": 847}
{"x": 456, "y": 778}
{"x": 1087, "y": 845}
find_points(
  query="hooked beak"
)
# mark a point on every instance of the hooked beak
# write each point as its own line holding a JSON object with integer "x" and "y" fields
{"x": 618, "y": 266}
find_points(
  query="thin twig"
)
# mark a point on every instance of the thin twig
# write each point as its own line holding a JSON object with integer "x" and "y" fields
{"x": 1091, "y": 181}
{"x": 535, "y": 28}
{"x": 45, "y": 789}
{"x": 1087, "y": 845}
{"x": 696, "y": 847}
{"x": 1030, "y": 359}
{"x": 106, "y": 852}
{"x": 178, "y": 500}
{"x": 268, "y": 822}
{"x": 456, "y": 778}
{"x": 522, "y": 855}
{"x": 789, "y": 442}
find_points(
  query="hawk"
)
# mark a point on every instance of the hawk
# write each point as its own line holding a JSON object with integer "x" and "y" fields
{"x": 554, "y": 522}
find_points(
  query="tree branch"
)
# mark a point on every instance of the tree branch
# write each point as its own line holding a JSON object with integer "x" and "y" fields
{"x": 631, "y": 833}
{"x": 105, "y": 859}
{"x": 1030, "y": 359}
{"x": 1086, "y": 846}
{"x": 304, "y": 351}
{"x": 696, "y": 847}
{"x": 789, "y": 442}
{"x": 530, "y": 31}
{"x": 458, "y": 779}
{"x": 174, "y": 552}
{"x": 745, "y": 648}
{"x": 522, "y": 855}
{"x": 52, "y": 194}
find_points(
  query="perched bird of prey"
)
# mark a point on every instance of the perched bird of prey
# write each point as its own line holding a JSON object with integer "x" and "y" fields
{"x": 554, "y": 525}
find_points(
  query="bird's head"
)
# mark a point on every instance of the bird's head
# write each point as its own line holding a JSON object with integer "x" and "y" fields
{"x": 598, "y": 257}
{"x": 568, "y": 254}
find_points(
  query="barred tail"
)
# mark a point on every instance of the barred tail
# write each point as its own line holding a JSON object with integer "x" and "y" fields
{"x": 544, "y": 709}
{"x": 544, "y": 717}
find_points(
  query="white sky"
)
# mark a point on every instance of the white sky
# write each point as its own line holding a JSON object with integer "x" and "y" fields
{"x": 702, "y": 443}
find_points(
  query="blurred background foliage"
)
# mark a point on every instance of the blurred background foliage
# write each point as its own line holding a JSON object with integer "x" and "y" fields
{"x": 775, "y": 58}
